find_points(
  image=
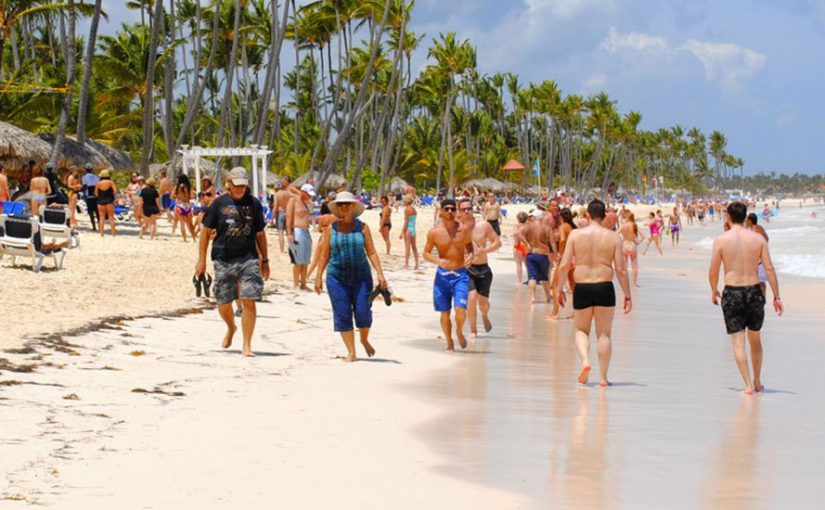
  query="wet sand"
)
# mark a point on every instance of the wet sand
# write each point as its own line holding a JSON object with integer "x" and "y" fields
{"x": 674, "y": 430}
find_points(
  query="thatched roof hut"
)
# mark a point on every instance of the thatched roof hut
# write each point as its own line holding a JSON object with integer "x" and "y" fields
{"x": 174, "y": 167}
{"x": 18, "y": 146}
{"x": 118, "y": 159}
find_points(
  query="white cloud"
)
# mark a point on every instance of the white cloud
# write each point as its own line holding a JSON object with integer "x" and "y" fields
{"x": 616, "y": 41}
{"x": 596, "y": 82}
{"x": 726, "y": 63}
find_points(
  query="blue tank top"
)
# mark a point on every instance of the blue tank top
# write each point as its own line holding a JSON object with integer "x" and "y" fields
{"x": 348, "y": 254}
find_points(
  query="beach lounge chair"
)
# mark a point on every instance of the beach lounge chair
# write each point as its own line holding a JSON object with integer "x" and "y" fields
{"x": 54, "y": 224}
{"x": 22, "y": 239}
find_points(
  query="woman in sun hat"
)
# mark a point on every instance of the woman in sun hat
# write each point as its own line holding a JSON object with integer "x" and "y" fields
{"x": 150, "y": 207}
{"x": 343, "y": 252}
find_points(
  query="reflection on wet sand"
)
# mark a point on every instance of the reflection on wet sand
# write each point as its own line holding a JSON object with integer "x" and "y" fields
{"x": 730, "y": 482}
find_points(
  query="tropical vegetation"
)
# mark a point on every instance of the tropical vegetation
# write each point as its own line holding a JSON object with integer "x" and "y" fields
{"x": 329, "y": 86}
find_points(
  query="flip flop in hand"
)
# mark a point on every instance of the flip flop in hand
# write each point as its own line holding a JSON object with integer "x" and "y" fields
{"x": 196, "y": 281}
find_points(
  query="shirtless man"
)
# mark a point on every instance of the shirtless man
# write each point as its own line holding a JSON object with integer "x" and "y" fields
{"x": 279, "y": 206}
{"x": 598, "y": 253}
{"x": 450, "y": 289}
{"x": 539, "y": 238}
{"x": 485, "y": 240}
{"x": 40, "y": 189}
{"x": 492, "y": 213}
{"x": 5, "y": 194}
{"x": 298, "y": 213}
{"x": 611, "y": 219}
{"x": 740, "y": 251}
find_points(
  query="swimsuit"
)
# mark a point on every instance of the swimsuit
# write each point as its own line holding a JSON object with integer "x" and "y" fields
{"x": 450, "y": 288}
{"x": 538, "y": 267}
{"x": 496, "y": 226}
{"x": 166, "y": 201}
{"x": 520, "y": 247}
{"x": 481, "y": 279}
{"x": 654, "y": 229}
{"x": 629, "y": 246}
{"x": 105, "y": 196}
{"x": 183, "y": 210}
{"x": 674, "y": 228}
{"x": 743, "y": 307}
{"x": 280, "y": 220}
{"x": 411, "y": 225}
{"x": 586, "y": 295}
{"x": 300, "y": 252}
{"x": 760, "y": 270}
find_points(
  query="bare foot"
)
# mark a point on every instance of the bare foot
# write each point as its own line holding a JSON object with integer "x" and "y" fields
{"x": 550, "y": 317}
{"x": 368, "y": 348}
{"x": 473, "y": 334}
{"x": 605, "y": 383}
{"x": 748, "y": 391}
{"x": 584, "y": 374}
{"x": 349, "y": 358}
{"x": 758, "y": 388}
{"x": 450, "y": 345}
{"x": 461, "y": 340}
{"x": 488, "y": 326}
{"x": 248, "y": 353}
{"x": 227, "y": 340}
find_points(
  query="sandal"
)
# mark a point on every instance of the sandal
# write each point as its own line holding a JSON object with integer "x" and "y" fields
{"x": 206, "y": 282}
{"x": 196, "y": 281}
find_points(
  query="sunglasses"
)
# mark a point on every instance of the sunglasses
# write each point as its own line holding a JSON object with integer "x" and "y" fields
{"x": 466, "y": 209}
{"x": 448, "y": 209}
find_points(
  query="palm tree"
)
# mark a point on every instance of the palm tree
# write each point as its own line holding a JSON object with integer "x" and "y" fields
{"x": 70, "y": 48}
{"x": 82, "y": 109}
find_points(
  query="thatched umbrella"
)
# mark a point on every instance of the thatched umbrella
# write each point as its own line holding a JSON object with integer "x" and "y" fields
{"x": 74, "y": 154}
{"x": 117, "y": 158}
{"x": 333, "y": 183}
{"x": 488, "y": 183}
{"x": 513, "y": 166}
{"x": 398, "y": 185}
{"x": 18, "y": 146}
{"x": 173, "y": 168}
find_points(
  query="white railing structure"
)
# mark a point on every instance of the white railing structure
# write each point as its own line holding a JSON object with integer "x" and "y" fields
{"x": 258, "y": 153}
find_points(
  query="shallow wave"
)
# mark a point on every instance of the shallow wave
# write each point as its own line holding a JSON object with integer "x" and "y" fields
{"x": 706, "y": 243}
{"x": 790, "y": 231}
{"x": 808, "y": 265}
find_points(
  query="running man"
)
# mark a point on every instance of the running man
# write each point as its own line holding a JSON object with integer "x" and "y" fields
{"x": 485, "y": 240}
{"x": 598, "y": 253}
{"x": 740, "y": 251}
{"x": 450, "y": 288}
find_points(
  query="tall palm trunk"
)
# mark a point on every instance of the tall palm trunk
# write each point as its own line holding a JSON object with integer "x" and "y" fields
{"x": 169, "y": 84}
{"x": 63, "y": 123}
{"x": 149, "y": 99}
{"x": 228, "y": 80}
{"x": 83, "y": 107}
{"x": 272, "y": 70}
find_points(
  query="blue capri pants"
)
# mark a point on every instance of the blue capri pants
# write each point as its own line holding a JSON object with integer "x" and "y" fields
{"x": 350, "y": 299}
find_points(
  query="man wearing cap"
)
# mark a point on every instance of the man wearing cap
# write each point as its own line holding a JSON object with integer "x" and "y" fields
{"x": 540, "y": 238}
{"x": 298, "y": 214}
{"x": 89, "y": 181}
{"x": 451, "y": 286}
{"x": 237, "y": 221}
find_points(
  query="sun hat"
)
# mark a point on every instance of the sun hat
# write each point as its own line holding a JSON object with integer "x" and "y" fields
{"x": 308, "y": 189}
{"x": 346, "y": 197}
{"x": 140, "y": 178}
{"x": 150, "y": 181}
{"x": 104, "y": 174}
{"x": 238, "y": 176}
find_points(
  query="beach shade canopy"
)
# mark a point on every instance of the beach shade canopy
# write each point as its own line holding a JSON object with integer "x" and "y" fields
{"x": 333, "y": 183}
{"x": 486, "y": 184}
{"x": 174, "y": 168}
{"x": 513, "y": 166}
{"x": 74, "y": 154}
{"x": 18, "y": 146}
{"x": 398, "y": 185}
{"x": 118, "y": 159}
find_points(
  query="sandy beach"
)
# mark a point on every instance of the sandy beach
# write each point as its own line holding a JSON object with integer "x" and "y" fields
{"x": 151, "y": 413}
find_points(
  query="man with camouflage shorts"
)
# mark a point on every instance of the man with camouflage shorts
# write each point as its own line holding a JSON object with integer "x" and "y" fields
{"x": 237, "y": 220}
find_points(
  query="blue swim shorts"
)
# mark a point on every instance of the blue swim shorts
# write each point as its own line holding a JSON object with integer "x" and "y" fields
{"x": 450, "y": 289}
{"x": 538, "y": 267}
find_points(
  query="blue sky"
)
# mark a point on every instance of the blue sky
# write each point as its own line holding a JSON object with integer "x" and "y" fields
{"x": 752, "y": 69}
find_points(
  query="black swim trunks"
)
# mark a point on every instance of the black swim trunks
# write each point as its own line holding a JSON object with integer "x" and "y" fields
{"x": 586, "y": 295}
{"x": 743, "y": 307}
{"x": 496, "y": 226}
{"x": 481, "y": 278}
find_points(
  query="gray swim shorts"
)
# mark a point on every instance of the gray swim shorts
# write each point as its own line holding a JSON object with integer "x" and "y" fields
{"x": 280, "y": 221}
{"x": 243, "y": 273}
{"x": 300, "y": 253}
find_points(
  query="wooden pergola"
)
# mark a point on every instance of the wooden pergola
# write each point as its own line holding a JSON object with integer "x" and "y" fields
{"x": 258, "y": 153}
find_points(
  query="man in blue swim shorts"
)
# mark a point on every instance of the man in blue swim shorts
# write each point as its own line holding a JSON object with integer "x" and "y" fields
{"x": 454, "y": 244}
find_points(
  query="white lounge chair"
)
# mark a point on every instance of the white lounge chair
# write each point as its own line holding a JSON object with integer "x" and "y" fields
{"x": 21, "y": 238}
{"x": 54, "y": 224}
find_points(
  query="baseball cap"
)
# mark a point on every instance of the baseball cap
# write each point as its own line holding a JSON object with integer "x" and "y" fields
{"x": 308, "y": 189}
{"x": 238, "y": 176}
{"x": 446, "y": 202}
{"x": 536, "y": 213}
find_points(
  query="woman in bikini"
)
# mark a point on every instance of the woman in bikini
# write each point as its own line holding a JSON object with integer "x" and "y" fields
{"x": 408, "y": 232}
{"x": 653, "y": 224}
{"x": 520, "y": 246}
{"x": 386, "y": 221}
{"x": 75, "y": 187}
{"x": 183, "y": 207}
{"x": 631, "y": 238}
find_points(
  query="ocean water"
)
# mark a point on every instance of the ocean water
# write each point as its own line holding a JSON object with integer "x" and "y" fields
{"x": 797, "y": 241}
